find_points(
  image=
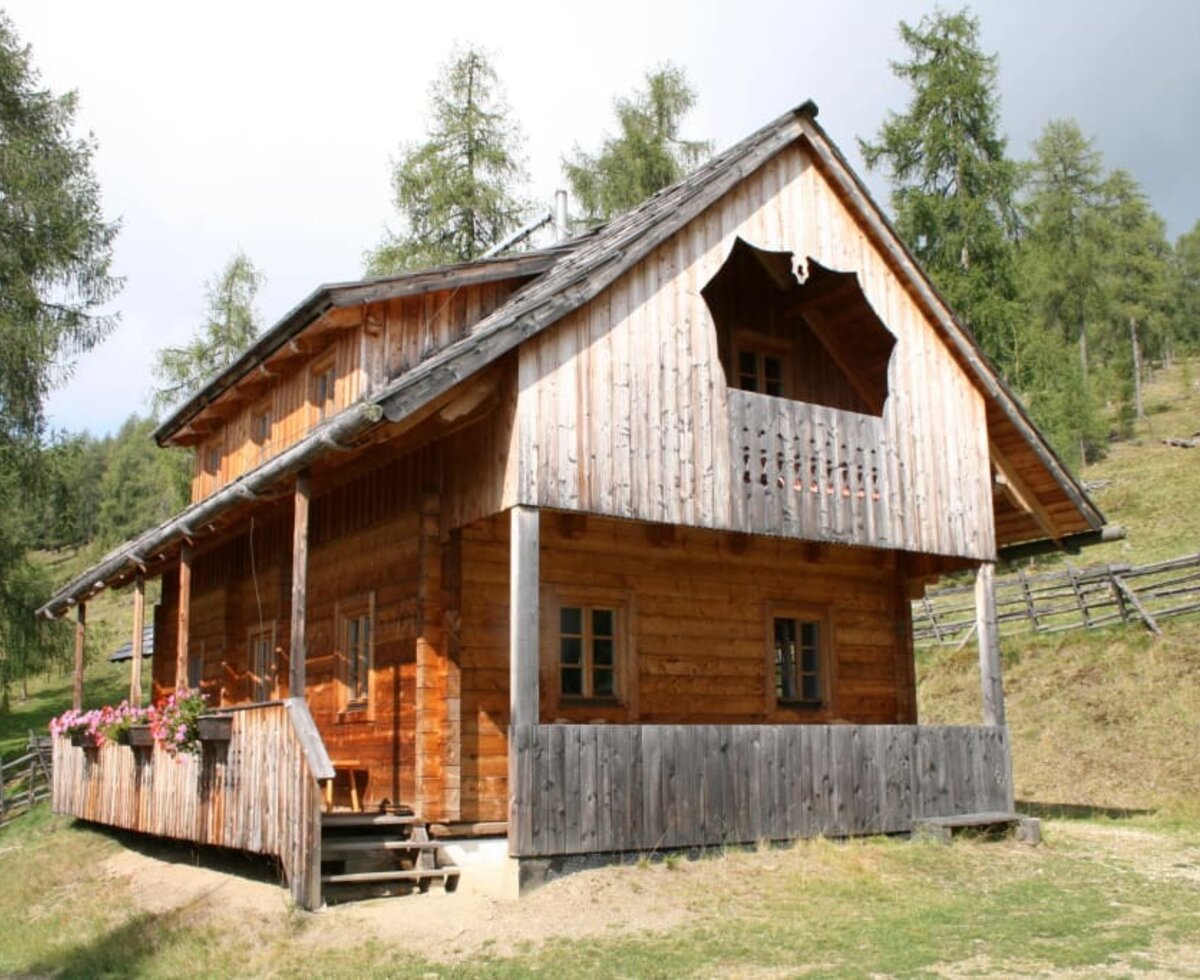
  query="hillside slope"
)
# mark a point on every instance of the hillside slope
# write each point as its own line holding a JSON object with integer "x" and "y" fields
{"x": 1107, "y": 718}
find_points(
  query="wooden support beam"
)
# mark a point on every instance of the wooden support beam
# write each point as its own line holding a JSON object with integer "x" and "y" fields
{"x": 1019, "y": 493}
{"x": 524, "y": 544}
{"x": 139, "y": 619}
{"x": 986, "y": 631}
{"x": 80, "y": 636}
{"x": 298, "y": 650}
{"x": 185, "y": 611}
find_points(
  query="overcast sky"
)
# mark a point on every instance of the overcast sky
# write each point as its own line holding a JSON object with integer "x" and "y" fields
{"x": 270, "y": 126}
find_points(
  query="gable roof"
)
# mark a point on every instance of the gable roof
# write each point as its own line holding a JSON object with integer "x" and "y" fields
{"x": 570, "y": 276}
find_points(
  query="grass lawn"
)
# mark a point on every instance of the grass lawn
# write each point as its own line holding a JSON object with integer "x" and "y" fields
{"x": 1118, "y": 896}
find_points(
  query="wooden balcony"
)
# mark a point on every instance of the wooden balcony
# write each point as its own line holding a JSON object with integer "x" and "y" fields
{"x": 610, "y": 788}
{"x": 258, "y": 792}
{"x": 809, "y": 471}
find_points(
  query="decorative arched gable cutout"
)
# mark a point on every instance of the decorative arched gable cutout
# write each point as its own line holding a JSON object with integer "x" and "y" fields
{"x": 816, "y": 341}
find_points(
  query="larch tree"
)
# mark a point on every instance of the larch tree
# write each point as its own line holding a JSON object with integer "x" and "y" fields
{"x": 1186, "y": 288}
{"x": 648, "y": 153}
{"x": 456, "y": 192}
{"x": 55, "y": 279}
{"x": 230, "y": 326}
{"x": 953, "y": 186}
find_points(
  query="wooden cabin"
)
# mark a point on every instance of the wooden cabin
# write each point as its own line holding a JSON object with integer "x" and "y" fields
{"x": 606, "y": 547}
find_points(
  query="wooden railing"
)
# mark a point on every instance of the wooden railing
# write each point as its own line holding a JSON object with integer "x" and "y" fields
{"x": 25, "y": 779}
{"x": 1067, "y": 599}
{"x": 259, "y": 792}
{"x": 612, "y": 788}
{"x": 808, "y": 471}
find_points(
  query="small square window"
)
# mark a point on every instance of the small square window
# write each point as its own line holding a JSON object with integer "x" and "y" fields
{"x": 761, "y": 371}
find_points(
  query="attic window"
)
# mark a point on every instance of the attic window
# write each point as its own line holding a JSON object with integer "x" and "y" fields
{"x": 816, "y": 341}
{"x": 322, "y": 389}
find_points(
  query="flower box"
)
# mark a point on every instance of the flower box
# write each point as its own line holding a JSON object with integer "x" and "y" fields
{"x": 85, "y": 740}
{"x": 140, "y": 736}
{"x": 215, "y": 728}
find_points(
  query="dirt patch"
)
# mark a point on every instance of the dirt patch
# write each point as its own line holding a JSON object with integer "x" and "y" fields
{"x": 1156, "y": 856}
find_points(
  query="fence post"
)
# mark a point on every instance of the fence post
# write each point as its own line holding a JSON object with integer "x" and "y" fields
{"x": 990, "y": 675}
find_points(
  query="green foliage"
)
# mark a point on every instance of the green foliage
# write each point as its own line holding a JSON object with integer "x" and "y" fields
{"x": 55, "y": 257}
{"x": 647, "y": 156}
{"x": 230, "y": 326}
{"x": 1186, "y": 288}
{"x": 953, "y": 187}
{"x": 142, "y": 485}
{"x": 455, "y": 192}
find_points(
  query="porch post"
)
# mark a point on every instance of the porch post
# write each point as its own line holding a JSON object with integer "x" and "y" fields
{"x": 185, "y": 609}
{"x": 523, "y": 617}
{"x": 80, "y": 634}
{"x": 989, "y": 645}
{"x": 296, "y": 658}
{"x": 139, "y": 617}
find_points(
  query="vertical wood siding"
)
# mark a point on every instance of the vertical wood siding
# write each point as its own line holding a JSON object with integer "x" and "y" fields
{"x": 368, "y": 346}
{"x": 596, "y": 788}
{"x": 259, "y": 793}
{"x": 623, "y": 407}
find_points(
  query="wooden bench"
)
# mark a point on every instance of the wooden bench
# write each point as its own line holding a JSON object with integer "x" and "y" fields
{"x": 943, "y": 829}
{"x": 352, "y": 771}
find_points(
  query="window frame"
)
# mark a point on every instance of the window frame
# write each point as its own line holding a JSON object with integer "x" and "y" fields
{"x": 762, "y": 347}
{"x": 264, "y": 683}
{"x": 821, "y": 617}
{"x": 261, "y": 440}
{"x": 355, "y": 608}
{"x": 624, "y": 697}
{"x": 321, "y": 368}
{"x": 195, "y": 664}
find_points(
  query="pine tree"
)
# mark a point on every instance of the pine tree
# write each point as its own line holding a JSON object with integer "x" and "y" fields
{"x": 953, "y": 187}
{"x": 647, "y": 156}
{"x": 456, "y": 192}
{"x": 55, "y": 278}
{"x": 1186, "y": 289}
{"x": 230, "y": 326}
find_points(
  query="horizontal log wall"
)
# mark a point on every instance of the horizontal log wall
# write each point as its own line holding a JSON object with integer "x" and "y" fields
{"x": 612, "y": 788}
{"x": 259, "y": 793}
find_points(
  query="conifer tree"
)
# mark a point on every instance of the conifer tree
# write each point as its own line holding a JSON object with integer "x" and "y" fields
{"x": 230, "y": 326}
{"x": 953, "y": 187}
{"x": 55, "y": 278}
{"x": 457, "y": 191}
{"x": 647, "y": 155}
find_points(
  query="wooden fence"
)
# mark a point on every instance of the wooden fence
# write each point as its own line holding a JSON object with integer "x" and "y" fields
{"x": 25, "y": 779}
{"x": 259, "y": 792}
{"x": 612, "y": 788}
{"x": 1067, "y": 599}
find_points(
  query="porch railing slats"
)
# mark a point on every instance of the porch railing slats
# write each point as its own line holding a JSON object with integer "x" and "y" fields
{"x": 258, "y": 793}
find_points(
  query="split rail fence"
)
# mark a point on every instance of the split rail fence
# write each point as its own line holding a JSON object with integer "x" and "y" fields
{"x": 1067, "y": 599}
{"x": 25, "y": 779}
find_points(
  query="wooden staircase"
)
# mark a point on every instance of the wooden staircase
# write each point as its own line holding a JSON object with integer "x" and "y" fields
{"x": 380, "y": 854}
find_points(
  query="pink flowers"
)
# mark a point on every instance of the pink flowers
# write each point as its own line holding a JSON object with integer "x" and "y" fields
{"x": 173, "y": 722}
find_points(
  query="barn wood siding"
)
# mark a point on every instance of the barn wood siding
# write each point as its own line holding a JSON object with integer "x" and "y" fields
{"x": 696, "y": 605}
{"x": 369, "y": 346}
{"x": 259, "y": 793}
{"x": 613, "y": 788}
{"x": 623, "y": 408}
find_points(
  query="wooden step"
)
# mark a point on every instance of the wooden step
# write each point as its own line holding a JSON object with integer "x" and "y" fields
{"x": 345, "y": 844}
{"x": 364, "y": 877}
{"x": 943, "y": 829}
{"x": 338, "y": 820}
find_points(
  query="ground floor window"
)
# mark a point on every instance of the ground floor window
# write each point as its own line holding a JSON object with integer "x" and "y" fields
{"x": 588, "y": 642}
{"x": 356, "y": 637}
{"x": 264, "y": 664}
{"x": 799, "y": 657}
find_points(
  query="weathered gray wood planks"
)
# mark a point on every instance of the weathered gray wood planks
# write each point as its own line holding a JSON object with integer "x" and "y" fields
{"x": 638, "y": 788}
{"x": 259, "y": 793}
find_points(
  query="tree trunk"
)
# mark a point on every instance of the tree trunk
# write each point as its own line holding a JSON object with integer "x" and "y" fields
{"x": 1137, "y": 369}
